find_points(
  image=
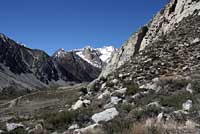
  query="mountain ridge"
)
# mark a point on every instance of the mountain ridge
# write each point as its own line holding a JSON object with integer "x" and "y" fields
{"x": 40, "y": 69}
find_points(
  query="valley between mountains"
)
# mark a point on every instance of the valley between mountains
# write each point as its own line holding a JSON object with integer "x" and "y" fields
{"x": 151, "y": 85}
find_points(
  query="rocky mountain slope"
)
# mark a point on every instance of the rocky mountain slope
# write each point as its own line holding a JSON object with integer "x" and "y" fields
{"x": 150, "y": 86}
{"x": 24, "y": 70}
{"x": 162, "y": 24}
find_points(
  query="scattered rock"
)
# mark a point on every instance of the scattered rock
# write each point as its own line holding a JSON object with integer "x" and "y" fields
{"x": 104, "y": 94}
{"x": 115, "y": 100}
{"x": 37, "y": 130}
{"x": 12, "y": 126}
{"x": 106, "y": 115}
{"x": 92, "y": 129}
{"x": 187, "y": 105}
{"x": 1, "y": 131}
{"x": 122, "y": 91}
{"x": 159, "y": 117}
{"x": 77, "y": 105}
{"x": 189, "y": 88}
{"x": 73, "y": 127}
{"x": 115, "y": 81}
{"x": 86, "y": 102}
{"x": 196, "y": 40}
{"x": 80, "y": 104}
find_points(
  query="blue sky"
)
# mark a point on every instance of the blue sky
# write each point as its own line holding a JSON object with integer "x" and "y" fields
{"x": 69, "y": 24}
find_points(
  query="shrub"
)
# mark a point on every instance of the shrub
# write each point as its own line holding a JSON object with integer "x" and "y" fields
{"x": 132, "y": 88}
{"x": 175, "y": 100}
{"x": 59, "y": 119}
{"x": 196, "y": 86}
{"x": 18, "y": 131}
{"x": 173, "y": 84}
{"x": 143, "y": 113}
{"x": 119, "y": 125}
{"x": 125, "y": 107}
{"x": 84, "y": 90}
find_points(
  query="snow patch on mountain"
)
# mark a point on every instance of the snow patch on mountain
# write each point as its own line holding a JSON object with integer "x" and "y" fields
{"x": 106, "y": 53}
{"x": 96, "y": 64}
{"x": 98, "y": 57}
{"x": 59, "y": 53}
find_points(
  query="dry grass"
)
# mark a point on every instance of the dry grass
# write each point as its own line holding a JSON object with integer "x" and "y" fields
{"x": 150, "y": 126}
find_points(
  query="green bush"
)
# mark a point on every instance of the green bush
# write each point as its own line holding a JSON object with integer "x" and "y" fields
{"x": 125, "y": 107}
{"x": 196, "y": 86}
{"x": 132, "y": 88}
{"x": 175, "y": 100}
{"x": 146, "y": 112}
{"x": 64, "y": 119}
{"x": 60, "y": 118}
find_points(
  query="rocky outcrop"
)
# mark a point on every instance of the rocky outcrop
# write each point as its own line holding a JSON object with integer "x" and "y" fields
{"x": 162, "y": 24}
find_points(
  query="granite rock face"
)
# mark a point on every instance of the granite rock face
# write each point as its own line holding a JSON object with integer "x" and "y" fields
{"x": 162, "y": 24}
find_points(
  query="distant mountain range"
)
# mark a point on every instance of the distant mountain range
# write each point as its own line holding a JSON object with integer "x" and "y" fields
{"x": 97, "y": 57}
{"x": 23, "y": 69}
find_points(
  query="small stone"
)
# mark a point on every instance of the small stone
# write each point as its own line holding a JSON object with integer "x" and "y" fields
{"x": 115, "y": 81}
{"x": 159, "y": 117}
{"x": 73, "y": 127}
{"x": 1, "y": 131}
{"x": 87, "y": 102}
{"x": 104, "y": 94}
{"x": 196, "y": 40}
{"x": 115, "y": 100}
{"x": 77, "y": 105}
{"x": 189, "y": 88}
{"x": 187, "y": 105}
{"x": 122, "y": 91}
{"x": 185, "y": 68}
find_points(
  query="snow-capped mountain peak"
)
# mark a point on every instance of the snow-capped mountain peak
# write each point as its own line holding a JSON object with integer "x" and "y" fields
{"x": 59, "y": 53}
{"x": 97, "y": 57}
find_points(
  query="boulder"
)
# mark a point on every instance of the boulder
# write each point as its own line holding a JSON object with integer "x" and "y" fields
{"x": 12, "y": 126}
{"x": 106, "y": 115}
{"x": 91, "y": 129}
{"x": 73, "y": 127}
{"x": 77, "y": 105}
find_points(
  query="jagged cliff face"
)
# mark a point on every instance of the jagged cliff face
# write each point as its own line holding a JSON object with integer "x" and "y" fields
{"x": 163, "y": 23}
{"x": 80, "y": 69}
